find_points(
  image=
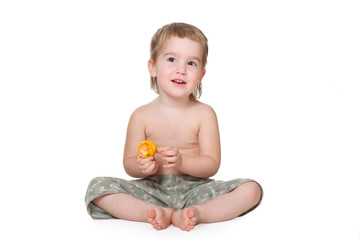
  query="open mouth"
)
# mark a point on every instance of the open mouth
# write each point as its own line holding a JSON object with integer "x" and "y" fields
{"x": 178, "y": 81}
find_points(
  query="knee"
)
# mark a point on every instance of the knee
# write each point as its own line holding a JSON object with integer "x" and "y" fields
{"x": 253, "y": 192}
{"x": 96, "y": 180}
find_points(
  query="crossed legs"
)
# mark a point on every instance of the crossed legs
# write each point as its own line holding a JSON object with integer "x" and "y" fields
{"x": 221, "y": 208}
{"x": 127, "y": 207}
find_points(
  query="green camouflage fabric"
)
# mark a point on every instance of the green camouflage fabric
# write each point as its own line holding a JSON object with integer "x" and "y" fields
{"x": 173, "y": 191}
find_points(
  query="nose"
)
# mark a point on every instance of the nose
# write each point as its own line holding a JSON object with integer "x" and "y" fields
{"x": 181, "y": 69}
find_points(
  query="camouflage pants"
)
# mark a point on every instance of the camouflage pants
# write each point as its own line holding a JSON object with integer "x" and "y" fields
{"x": 173, "y": 191}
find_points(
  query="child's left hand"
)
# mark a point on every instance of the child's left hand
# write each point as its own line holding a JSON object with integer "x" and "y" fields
{"x": 171, "y": 155}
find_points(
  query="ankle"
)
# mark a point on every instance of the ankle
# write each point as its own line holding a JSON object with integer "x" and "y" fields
{"x": 200, "y": 213}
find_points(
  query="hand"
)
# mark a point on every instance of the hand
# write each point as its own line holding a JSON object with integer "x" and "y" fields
{"x": 148, "y": 166}
{"x": 170, "y": 155}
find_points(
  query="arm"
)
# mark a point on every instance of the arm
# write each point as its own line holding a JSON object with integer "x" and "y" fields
{"x": 134, "y": 166}
{"x": 208, "y": 162}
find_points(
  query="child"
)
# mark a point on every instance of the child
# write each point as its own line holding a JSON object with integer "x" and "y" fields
{"x": 174, "y": 185}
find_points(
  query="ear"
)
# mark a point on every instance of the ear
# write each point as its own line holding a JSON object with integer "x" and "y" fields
{"x": 202, "y": 74}
{"x": 151, "y": 67}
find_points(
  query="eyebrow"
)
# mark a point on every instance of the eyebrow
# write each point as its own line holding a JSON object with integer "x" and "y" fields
{"x": 174, "y": 54}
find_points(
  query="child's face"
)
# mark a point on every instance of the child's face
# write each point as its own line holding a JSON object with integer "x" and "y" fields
{"x": 178, "y": 67}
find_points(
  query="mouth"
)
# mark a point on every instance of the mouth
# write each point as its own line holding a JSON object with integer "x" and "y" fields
{"x": 178, "y": 81}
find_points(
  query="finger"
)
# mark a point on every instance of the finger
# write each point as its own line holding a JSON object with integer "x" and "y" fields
{"x": 145, "y": 166}
{"x": 169, "y": 153}
{"x": 170, "y": 159}
{"x": 166, "y": 148}
{"x": 143, "y": 161}
{"x": 150, "y": 168}
{"x": 169, "y": 165}
{"x": 172, "y": 152}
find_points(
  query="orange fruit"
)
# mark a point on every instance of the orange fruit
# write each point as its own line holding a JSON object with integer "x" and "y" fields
{"x": 146, "y": 149}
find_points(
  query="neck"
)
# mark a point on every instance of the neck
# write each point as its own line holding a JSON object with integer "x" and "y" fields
{"x": 174, "y": 103}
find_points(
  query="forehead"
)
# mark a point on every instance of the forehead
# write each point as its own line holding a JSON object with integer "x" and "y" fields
{"x": 184, "y": 46}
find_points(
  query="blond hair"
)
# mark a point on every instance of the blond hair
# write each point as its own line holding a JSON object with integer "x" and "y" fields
{"x": 181, "y": 30}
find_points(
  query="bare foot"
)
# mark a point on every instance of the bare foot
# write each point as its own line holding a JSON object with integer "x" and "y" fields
{"x": 185, "y": 219}
{"x": 160, "y": 218}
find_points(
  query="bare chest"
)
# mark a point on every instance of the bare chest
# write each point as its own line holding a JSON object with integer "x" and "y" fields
{"x": 177, "y": 130}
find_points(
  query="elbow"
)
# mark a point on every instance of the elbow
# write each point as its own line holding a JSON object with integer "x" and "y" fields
{"x": 213, "y": 172}
{"x": 130, "y": 168}
{"x": 214, "y": 168}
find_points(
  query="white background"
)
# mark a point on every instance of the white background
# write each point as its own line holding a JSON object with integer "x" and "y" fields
{"x": 283, "y": 77}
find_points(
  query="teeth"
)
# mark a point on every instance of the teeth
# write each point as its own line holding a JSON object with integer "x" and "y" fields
{"x": 178, "y": 81}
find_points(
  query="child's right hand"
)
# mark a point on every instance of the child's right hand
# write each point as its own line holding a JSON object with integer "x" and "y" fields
{"x": 147, "y": 166}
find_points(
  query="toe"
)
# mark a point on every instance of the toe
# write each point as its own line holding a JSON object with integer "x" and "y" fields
{"x": 190, "y": 213}
{"x": 152, "y": 213}
{"x": 189, "y": 228}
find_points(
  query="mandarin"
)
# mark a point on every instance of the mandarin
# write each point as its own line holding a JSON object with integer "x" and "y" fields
{"x": 146, "y": 149}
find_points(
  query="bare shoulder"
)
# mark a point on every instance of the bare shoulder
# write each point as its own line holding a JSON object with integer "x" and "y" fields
{"x": 205, "y": 110}
{"x": 137, "y": 124}
{"x": 141, "y": 112}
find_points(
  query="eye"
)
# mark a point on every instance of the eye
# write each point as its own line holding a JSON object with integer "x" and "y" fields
{"x": 192, "y": 64}
{"x": 171, "y": 59}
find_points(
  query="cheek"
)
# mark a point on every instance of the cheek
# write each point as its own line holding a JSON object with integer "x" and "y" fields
{"x": 164, "y": 71}
{"x": 195, "y": 73}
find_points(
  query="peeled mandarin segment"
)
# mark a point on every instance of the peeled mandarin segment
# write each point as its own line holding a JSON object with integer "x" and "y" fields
{"x": 146, "y": 149}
